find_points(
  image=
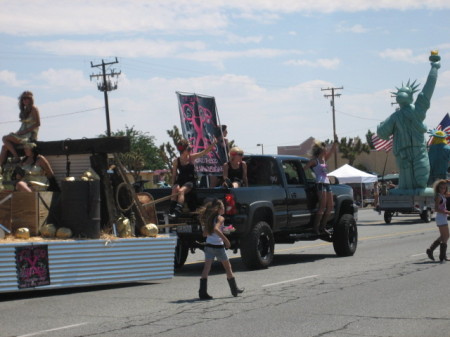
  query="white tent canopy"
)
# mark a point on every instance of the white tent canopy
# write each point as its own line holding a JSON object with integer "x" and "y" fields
{"x": 349, "y": 174}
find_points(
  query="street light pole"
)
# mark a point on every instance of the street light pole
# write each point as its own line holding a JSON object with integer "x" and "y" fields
{"x": 262, "y": 147}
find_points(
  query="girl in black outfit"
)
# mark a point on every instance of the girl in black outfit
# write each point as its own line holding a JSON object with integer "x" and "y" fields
{"x": 235, "y": 171}
{"x": 184, "y": 178}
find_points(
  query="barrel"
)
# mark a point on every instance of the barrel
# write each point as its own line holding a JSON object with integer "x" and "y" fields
{"x": 80, "y": 208}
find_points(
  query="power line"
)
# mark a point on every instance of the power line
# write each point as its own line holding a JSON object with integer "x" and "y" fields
{"x": 58, "y": 115}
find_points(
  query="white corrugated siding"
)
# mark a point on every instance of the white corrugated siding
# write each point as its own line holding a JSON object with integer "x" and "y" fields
{"x": 96, "y": 262}
{"x": 79, "y": 163}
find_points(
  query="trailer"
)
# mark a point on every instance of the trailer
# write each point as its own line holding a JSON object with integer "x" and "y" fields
{"x": 422, "y": 205}
{"x": 95, "y": 254}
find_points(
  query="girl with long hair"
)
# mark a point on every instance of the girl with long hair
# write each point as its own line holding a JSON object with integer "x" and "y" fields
{"x": 440, "y": 199}
{"x": 212, "y": 220}
{"x": 28, "y": 131}
{"x": 318, "y": 163}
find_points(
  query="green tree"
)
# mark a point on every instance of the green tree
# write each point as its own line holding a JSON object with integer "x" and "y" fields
{"x": 369, "y": 135}
{"x": 352, "y": 148}
{"x": 168, "y": 151}
{"x": 143, "y": 155}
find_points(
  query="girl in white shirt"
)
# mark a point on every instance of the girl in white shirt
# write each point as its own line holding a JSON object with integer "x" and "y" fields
{"x": 213, "y": 222}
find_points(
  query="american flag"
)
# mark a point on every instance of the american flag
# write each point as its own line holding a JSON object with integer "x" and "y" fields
{"x": 381, "y": 144}
{"x": 444, "y": 125}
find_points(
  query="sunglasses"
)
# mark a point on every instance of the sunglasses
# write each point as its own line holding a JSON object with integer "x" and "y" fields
{"x": 237, "y": 154}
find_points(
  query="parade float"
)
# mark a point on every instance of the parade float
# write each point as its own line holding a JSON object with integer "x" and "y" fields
{"x": 406, "y": 127}
{"x": 97, "y": 230}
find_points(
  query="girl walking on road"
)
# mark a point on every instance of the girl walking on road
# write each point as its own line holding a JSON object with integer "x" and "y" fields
{"x": 440, "y": 200}
{"x": 213, "y": 222}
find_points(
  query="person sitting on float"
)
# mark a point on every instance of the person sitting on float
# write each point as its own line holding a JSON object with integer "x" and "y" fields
{"x": 34, "y": 173}
{"x": 439, "y": 156}
{"x": 235, "y": 170}
{"x": 184, "y": 177}
{"x": 30, "y": 119}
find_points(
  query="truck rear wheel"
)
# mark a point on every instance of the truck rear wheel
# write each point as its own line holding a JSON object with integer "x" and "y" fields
{"x": 257, "y": 248}
{"x": 181, "y": 254}
{"x": 388, "y": 216}
{"x": 345, "y": 236}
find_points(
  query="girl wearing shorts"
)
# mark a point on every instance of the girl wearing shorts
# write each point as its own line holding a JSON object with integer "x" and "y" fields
{"x": 213, "y": 222}
{"x": 440, "y": 200}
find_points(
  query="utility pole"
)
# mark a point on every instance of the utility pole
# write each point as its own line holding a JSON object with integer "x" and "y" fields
{"x": 106, "y": 85}
{"x": 334, "y": 115}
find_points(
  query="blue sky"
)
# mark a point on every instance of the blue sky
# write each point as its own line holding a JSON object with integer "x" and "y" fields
{"x": 265, "y": 62}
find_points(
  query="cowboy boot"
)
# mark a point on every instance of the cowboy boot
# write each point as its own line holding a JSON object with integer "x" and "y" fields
{"x": 203, "y": 291}
{"x": 430, "y": 250}
{"x": 443, "y": 252}
{"x": 233, "y": 287}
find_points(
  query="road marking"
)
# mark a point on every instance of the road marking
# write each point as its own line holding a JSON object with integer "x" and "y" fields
{"x": 50, "y": 330}
{"x": 418, "y": 254}
{"x": 294, "y": 280}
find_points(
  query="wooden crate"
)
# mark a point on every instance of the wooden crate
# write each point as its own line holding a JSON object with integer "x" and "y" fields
{"x": 5, "y": 210}
{"x": 30, "y": 210}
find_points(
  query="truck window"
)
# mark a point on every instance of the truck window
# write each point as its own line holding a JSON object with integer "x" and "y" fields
{"x": 262, "y": 171}
{"x": 292, "y": 172}
{"x": 309, "y": 173}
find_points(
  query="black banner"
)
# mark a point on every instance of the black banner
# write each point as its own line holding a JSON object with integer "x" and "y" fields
{"x": 32, "y": 266}
{"x": 200, "y": 124}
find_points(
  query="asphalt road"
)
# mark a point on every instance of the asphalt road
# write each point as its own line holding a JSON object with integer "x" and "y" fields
{"x": 388, "y": 288}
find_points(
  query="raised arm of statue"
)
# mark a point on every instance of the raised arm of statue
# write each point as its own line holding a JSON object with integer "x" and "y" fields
{"x": 423, "y": 99}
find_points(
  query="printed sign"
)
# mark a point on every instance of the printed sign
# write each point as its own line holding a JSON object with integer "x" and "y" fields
{"x": 32, "y": 266}
{"x": 199, "y": 123}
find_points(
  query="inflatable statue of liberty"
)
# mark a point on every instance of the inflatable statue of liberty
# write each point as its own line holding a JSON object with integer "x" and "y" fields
{"x": 407, "y": 127}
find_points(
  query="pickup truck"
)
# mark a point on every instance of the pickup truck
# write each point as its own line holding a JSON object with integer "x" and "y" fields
{"x": 278, "y": 206}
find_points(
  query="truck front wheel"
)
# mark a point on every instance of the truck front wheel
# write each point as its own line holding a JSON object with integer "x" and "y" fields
{"x": 345, "y": 236}
{"x": 257, "y": 248}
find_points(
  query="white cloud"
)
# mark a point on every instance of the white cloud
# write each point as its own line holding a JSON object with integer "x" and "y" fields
{"x": 86, "y": 17}
{"x": 124, "y": 48}
{"x": 357, "y": 29}
{"x": 319, "y": 63}
{"x": 405, "y": 55}
{"x": 64, "y": 78}
{"x": 10, "y": 79}
{"x": 233, "y": 38}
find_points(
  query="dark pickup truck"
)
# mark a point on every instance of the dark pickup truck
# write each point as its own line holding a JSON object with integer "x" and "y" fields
{"x": 277, "y": 207}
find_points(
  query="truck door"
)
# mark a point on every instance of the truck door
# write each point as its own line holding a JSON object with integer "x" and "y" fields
{"x": 296, "y": 199}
